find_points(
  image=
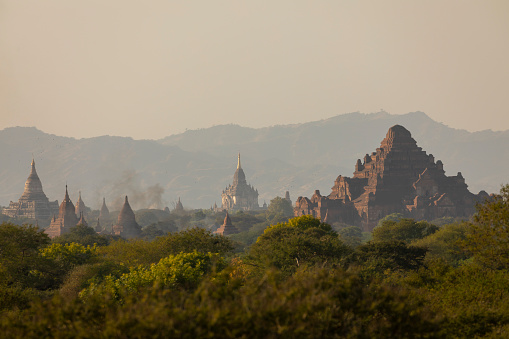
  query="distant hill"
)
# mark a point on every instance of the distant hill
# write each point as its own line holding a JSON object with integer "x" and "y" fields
{"x": 198, "y": 164}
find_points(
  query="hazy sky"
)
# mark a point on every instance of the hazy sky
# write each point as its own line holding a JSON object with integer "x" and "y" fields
{"x": 148, "y": 69}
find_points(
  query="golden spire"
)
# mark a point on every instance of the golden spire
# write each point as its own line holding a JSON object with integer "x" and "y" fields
{"x": 238, "y": 163}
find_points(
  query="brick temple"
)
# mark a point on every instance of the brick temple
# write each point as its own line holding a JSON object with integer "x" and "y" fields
{"x": 398, "y": 178}
{"x": 66, "y": 219}
{"x": 126, "y": 226}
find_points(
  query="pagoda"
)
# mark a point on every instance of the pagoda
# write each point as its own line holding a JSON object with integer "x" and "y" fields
{"x": 126, "y": 226}
{"x": 239, "y": 195}
{"x": 104, "y": 213}
{"x": 227, "y": 227}
{"x": 33, "y": 203}
{"x": 66, "y": 219}
{"x": 80, "y": 206}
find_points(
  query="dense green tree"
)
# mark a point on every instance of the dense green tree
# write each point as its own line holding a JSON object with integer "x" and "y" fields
{"x": 406, "y": 230}
{"x": 300, "y": 241}
{"x": 390, "y": 217}
{"x": 183, "y": 270}
{"x": 151, "y": 232}
{"x": 199, "y": 215}
{"x": 488, "y": 236}
{"x": 19, "y": 253}
{"x": 195, "y": 239}
{"x": 167, "y": 225}
{"x": 69, "y": 255}
{"x": 446, "y": 243}
{"x": 80, "y": 277}
{"x": 312, "y": 304}
{"x": 247, "y": 238}
{"x": 351, "y": 235}
{"x": 279, "y": 210}
{"x": 244, "y": 220}
{"x": 140, "y": 252}
{"x": 84, "y": 235}
{"x": 377, "y": 258}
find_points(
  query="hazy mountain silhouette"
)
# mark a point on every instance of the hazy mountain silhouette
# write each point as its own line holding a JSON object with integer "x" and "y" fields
{"x": 198, "y": 164}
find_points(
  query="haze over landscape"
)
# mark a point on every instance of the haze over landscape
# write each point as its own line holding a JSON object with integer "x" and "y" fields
{"x": 147, "y": 71}
{"x": 254, "y": 169}
{"x": 197, "y": 165}
{"x": 87, "y": 69}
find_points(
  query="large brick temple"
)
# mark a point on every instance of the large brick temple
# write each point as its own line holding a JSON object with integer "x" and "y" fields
{"x": 398, "y": 178}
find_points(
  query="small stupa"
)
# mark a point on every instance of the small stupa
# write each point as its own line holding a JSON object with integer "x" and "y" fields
{"x": 227, "y": 227}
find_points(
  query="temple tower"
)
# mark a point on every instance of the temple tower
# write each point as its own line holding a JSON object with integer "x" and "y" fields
{"x": 80, "y": 206}
{"x": 227, "y": 227}
{"x": 33, "y": 203}
{"x": 66, "y": 218}
{"x": 104, "y": 214}
{"x": 126, "y": 226}
{"x": 178, "y": 206}
{"x": 239, "y": 195}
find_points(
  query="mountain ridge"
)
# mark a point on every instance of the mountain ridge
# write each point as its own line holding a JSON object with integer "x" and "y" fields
{"x": 197, "y": 164}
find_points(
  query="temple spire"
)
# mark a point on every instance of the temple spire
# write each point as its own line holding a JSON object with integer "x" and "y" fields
{"x": 66, "y": 194}
{"x": 238, "y": 163}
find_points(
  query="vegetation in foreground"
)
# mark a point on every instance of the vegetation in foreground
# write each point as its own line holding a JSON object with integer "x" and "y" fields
{"x": 299, "y": 278}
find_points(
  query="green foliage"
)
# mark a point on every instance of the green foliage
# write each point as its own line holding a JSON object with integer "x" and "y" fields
{"x": 300, "y": 241}
{"x": 379, "y": 258}
{"x": 166, "y": 226}
{"x": 249, "y": 237}
{"x": 83, "y": 235}
{"x": 472, "y": 300}
{"x": 184, "y": 270}
{"x": 150, "y": 233}
{"x": 132, "y": 253}
{"x": 406, "y": 230}
{"x": 390, "y": 217}
{"x": 351, "y": 235}
{"x": 446, "y": 244}
{"x": 140, "y": 252}
{"x": 69, "y": 255}
{"x": 199, "y": 215}
{"x": 244, "y": 220}
{"x": 279, "y": 210}
{"x": 312, "y": 304}
{"x": 488, "y": 237}
{"x": 19, "y": 253}
{"x": 298, "y": 279}
{"x": 195, "y": 239}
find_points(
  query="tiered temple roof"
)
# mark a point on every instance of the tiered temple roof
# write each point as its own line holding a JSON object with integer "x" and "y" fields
{"x": 66, "y": 218}
{"x": 240, "y": 195}
{"x": 398, "y": 178}
{"x": 227, "y": 227}
{"x": 33, "y": 203}
{"x": 126, "y": 226}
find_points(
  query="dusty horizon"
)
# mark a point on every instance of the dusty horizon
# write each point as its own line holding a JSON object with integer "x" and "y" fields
{"x": 127, "y": 68}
